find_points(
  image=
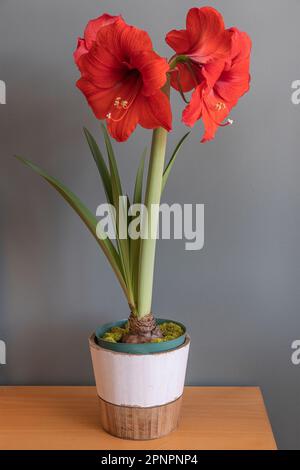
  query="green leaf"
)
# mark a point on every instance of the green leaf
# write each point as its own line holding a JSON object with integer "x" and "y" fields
{"x": 121, "y": 212}
{"x": 101, "y": 165}
{"x": 112, "y": 161}
{"x": 86, "y": 216}
{"x": 172, "y": 161}
{"x": 135, "y": 244}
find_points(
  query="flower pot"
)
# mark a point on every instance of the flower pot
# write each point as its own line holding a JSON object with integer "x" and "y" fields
{"x": 139, "y": 394}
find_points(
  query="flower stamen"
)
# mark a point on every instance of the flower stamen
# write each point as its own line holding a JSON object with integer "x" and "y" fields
{"x": 117, "y": 102}
{"x": 229, "y": 122}
{"x": 123, "y": 104}
{"x": 220, "y": 106}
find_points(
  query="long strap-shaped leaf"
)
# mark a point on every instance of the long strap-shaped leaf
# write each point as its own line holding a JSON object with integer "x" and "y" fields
{"x": 172, "y": 161}
{"x": 101, "y": 165}
{"x": 121, "y": 213}
{"x": 87, "y": 217}
{"x": 112, "y": 160}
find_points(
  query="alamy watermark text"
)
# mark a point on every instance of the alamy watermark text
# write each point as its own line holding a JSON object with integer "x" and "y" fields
{"x": 2, "y": 353}
{"x": 161, "y": 221}
{"x": 296, "y": 354}
{"x": 296, "y": 93}
{"x": 2, "y": 92}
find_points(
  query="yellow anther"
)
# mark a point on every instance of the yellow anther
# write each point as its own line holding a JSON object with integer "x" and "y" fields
{"x": 220, "y": 105}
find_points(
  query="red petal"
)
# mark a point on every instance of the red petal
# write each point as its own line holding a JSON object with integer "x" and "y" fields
{"x": 155, "y": 111}
{"x": 207, "y": 34}
{"x": 150, "y": 112}
{"x": 205, "y": 104}
{"x": 178, "y": 40}
{"x": 212, "y": 72}
{"x": 235, "y": 80}
{"x": 101, "y": 67}
{"x": 241, "y": 45}
{"x": 90, "y": 34}
{"x": 153, "y": 69}
{"x": 93, "y": 26}
{"x": 123, "y": 40}
{"x": 123, "y": 120}
{"x": 198, "y": 109}
{"x": 122, "y": 129}
{"x": 80, "y": 50}
{"x": 100, "y": 100}
{"x": 193, "y": 111}
{"x": 210, "y": 127}
{"x": 183, "y": 76}
{"x": 212, "y": 116}
{"x": 133, "y": 39}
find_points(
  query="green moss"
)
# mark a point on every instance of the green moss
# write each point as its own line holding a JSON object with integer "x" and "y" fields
{"x": 109, "y": 337}
{"x": 115, "y": 334}
{"x": 169, "y": 330}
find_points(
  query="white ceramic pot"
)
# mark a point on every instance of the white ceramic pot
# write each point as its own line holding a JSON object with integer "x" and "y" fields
{"x": 140, "y": 395}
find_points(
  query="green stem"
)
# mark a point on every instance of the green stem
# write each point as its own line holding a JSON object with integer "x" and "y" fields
{"x": 148, "y": 244}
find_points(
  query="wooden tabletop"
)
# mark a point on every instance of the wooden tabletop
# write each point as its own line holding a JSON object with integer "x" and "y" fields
{"x": 68, "y": 418}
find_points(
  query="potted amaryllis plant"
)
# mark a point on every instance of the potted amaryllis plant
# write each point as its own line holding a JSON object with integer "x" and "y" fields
{"x": 140, "y": 363}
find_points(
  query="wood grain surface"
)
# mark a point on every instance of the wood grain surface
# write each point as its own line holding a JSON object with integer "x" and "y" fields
{"x": 130, "y": 422}
{"x": 68, "y": 418}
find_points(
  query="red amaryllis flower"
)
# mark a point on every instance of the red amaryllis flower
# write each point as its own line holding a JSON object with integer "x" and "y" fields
{"x": 204, "y": 40}
{"x": 122, "y": 77}
{"x": 221, "y": 86}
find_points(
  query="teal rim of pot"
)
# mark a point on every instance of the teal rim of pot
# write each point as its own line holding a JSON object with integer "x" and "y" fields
{"x": 142, "y": 348}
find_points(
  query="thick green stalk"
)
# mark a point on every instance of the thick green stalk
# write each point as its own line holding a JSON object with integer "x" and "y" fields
{"x": 148, "y": 245}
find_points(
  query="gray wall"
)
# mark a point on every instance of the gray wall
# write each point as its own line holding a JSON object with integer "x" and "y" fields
{"x": 240, "y": 295}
